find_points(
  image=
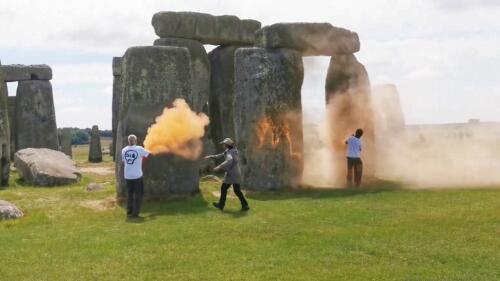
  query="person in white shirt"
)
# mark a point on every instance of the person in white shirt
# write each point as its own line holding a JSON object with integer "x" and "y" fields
{"x": 354, "y": 158}
{"x": 132, "y": 156}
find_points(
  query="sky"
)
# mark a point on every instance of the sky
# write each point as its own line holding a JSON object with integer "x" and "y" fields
{"x": 443, "y": 55}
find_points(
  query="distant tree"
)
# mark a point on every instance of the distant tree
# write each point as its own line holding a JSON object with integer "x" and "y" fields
{"x": 80, "y": 137}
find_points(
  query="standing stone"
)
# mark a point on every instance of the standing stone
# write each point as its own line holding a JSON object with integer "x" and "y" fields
{"x": 153, "y": 77}
{"x": 268, "y": 116}
{"x": 389, "y": 113}
{"x": 222, "y": 93}
{"x": 311, "y": 39}
{"x": 65, "y": 138}
{"x": 12, "y": 124}
{"x": 4, "y": 133}
{"x": 349, "y": 107}
{"x": 117, "y": 95}
{"x": 205, "y": 28}
{"x": 35, "y": 122}
{"x": 95, "y": 152}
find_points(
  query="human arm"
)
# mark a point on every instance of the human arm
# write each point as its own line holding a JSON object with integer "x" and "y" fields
{"x": 214, "y": 156}
{"x": 226, "y": 164}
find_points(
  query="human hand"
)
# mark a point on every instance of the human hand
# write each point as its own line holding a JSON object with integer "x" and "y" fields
{"x": 207, "y": 157}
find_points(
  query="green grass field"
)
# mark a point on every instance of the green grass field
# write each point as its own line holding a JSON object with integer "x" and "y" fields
{"x": 377, "y": 233}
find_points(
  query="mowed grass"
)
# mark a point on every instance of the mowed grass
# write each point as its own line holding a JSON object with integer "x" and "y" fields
{"x": 376, "y": 233}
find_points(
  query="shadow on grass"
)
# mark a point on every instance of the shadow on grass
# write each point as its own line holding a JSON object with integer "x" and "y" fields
{"x": 319, "y": 193}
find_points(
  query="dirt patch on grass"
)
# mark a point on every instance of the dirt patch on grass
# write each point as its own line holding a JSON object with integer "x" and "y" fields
{"x": 100, "y": 205}
{"x": 102, "y": 171}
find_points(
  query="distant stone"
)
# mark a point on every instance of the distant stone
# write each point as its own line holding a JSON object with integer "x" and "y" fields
{"x": 94, "y": 187}
{"x": 46, "y": 167}
{"x": 65, "y": 140}
{"x": 35, "y": 120}
{"x": 311, "y": 39}
{"x": 20, "y": 72}
{"x": 205, "y": 28}
{"x": 95, "y": 152}
{"x": 12, "y": 125}
{"x": 9, "y": 211}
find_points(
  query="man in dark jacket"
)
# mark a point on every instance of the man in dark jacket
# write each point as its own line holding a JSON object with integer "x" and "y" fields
{"x": 231, "y": 166}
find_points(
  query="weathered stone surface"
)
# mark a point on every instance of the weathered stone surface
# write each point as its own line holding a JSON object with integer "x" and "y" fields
{"x": 20, "y": 72}
{"x": 205, "y": 28}
{"x": 222, "y": 94}
{"x": 65, "y": 139}
{"x": 46, "y": 167}
{"x": 117, "y": 96}
{"x": 4, "y": 133}
{"x": 153, "y": 77}
{"x": 117, "y": 66}
{"x": 311, "y": 39}
{"x": 95, "y": 151}
{"x": 9, "y": 211}
{"x": 94, "y": 187}
{"x": 348, "y": 96}
{"x": 12, "y": 125}
{"x": 35, "y": 116}
{"x": 268, "y": 116}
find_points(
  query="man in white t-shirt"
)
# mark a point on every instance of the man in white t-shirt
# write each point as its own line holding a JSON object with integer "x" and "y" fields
{"x": 354, "y": 158}
{"x": 132, "y": 156}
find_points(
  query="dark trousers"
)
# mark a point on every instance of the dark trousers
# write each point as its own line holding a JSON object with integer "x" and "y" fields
{"x": 135, "y": 191}
{"x": 356, "y": 165}
{"x": 237, "y": 191}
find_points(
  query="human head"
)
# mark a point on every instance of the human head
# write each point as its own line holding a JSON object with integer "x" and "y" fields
{"x": 359, "y": 133}
{"x": 132, "y": 140}
{"x": 228, "y": 143}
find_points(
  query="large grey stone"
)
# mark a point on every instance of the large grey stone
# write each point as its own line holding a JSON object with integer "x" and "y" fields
{"x": 153, "y": 77}
{"x": 9, "y": 211}
{"x": 65, "y": 139}
{"x": 95, "y": 151}
{"x": 35, "y": 116}
{"x": 4, "y": 133}
{"x": 311, "y": 39}
{"x": 45, "y": 167}
{"x": 222, "y": 93}
{"x": 20, "y": 72}
{"x": 12, "y": 124}
{"x": 268, "y": 116}
{"x": 205, "y": 28}
{"x": 116, "y": 100}
{"x": 348, "y": 96}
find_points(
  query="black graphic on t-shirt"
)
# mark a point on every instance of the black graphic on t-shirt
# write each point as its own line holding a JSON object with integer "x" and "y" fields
{"x": 131, "y": 156}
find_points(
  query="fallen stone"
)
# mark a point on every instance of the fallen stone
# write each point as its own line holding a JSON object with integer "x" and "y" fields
{"x": 46, "y": 167}
{"x": 9, "y": 211}
{"x": 95, "y": 152}
{"x": 20, "y": 72}
{"x": 311, "y": 39}
{"x": 35, "y": 120}
{"x": 205, "y": 28}
{"x": 268, "y": 118}
{"x": 153, "y": 77}
{"x": 91, "y": 187}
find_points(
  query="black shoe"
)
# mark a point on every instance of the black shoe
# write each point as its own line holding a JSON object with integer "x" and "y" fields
{"x": 216, "y": 205}
{"x": 245, "y": 208}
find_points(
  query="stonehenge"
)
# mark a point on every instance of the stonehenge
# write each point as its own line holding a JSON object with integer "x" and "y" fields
{"x": 95, "y": 151}
{"x": 12, "y": 125}
{"x": 152, "y": 78}
{"x": 20, "y": 72}
{"x": 250, "y": 85}
{"x": 268, "y": 122}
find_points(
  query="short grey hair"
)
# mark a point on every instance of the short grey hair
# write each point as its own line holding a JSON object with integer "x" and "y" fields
{"x": 132, "y": 139}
